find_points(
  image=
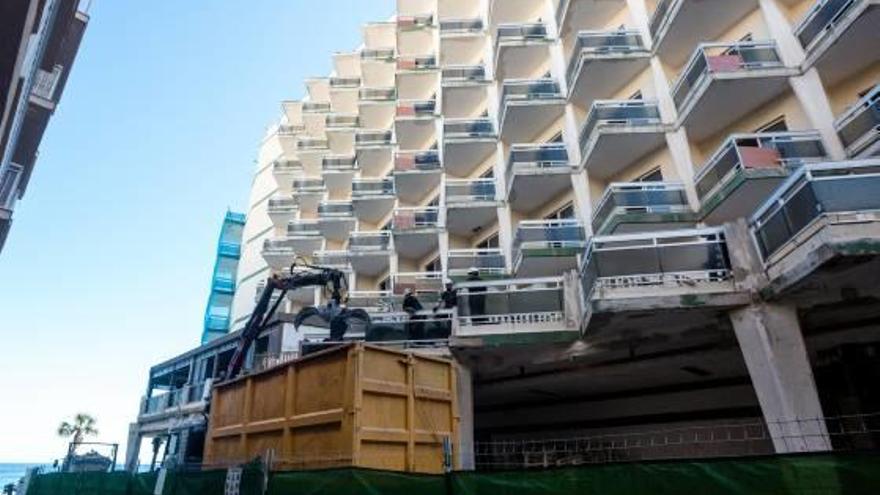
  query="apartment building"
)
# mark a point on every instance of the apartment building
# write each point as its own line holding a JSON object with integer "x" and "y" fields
{"x": 219, "y": 307}
{"x": 38, "y": 44}
{"x": 672, "y": 207}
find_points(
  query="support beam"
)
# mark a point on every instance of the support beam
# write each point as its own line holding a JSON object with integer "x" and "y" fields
{"x": 465, "y": 399}
{"x": 775, "y": 354}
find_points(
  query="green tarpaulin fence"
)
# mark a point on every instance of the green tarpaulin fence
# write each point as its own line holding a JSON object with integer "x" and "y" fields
{"x": 827, "y": 474}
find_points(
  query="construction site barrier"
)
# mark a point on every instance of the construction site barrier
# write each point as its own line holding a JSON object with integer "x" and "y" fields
{"x": 814, "y": 474}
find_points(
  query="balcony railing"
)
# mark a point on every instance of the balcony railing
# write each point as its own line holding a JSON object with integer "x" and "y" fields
{"x": 373, "y": 138}
{"x": 468, "y": 128}
{"x": 312, "y": 144}
{"x": 489, "y": 262}
{"x": 263, "y": 362}
{"x": 821, "y": 20}
{"x": 302, "y": 186}
{"x": 520, "y": 33}
{"x": 217, "y": 323}
{"x": 416, "y": 218}
{"x": 602, "y": 44}
{"x": 335, "y": 209}
{"x": 415, "y": 21}
{"x": 788, "y": 150}
{"x": 345, "y": 82}
{"x": 518, "y": 90}
{"x": 670, "y": 259}
{"x": 341, "y": 121}
{"x": 417, "y": 281}
{"x": 455, "y": 26}
{"x": 339, "y": 163}
{"x": 290, "y": 129}
{"x": 622, "y": 198}
{"x": 619, "y": 114}
{"x": 369, "y": 241}
{"x": 533, "y": 157}
{"x": 333, "y": 258}
{"x": 368, "y": 188}
{"x": 660, "y": 17}
{"x": 377, "y": 94}
{"x": 282, "y": 205}
{"x": 315, "y": 107}
{"x": 464, "y": 192}
{"x": 549, "y": 234}
{"x": 416, "y": 161}
{"x": 303, "y": 228}
{"x": 377, "y": 54}
{"x": 727, "y": 58}
{"x": 287, "y": 167}
{"x": 859, "y": 126}
{"x": 9, "y": 185}
{"x": 809, "y": 194}
{"x": 46, "y": 82}
{"x": 421, "y": 108}
{"x": 427, "y": 62}
{"x": 463, "y": 73}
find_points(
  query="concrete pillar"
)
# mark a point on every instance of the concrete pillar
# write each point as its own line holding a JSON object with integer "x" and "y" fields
{"x": 505, "y": 235}
{"x": 790, "y": 49}
{"x": 813, "y": 99}
{"x": 639, "y": 13}
{"x": 132, "y": 448}
{"x": 680, "y": 151}
{"x": 465, "y": 397}
{"x": 582, "y": 203}
{"x": 775, "y": 354}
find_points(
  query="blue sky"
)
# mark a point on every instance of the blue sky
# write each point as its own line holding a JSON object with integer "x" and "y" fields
{"x": 107, "y": 267}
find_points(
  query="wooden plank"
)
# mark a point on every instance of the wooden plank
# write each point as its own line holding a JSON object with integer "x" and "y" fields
{"x": 384, "y": 387}
{"x": 246, "y": 415}
{"x": 316, "y": 418}
{"x": 411, "y": 414}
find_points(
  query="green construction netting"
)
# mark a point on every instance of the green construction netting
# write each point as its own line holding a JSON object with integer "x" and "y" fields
{"x": 780, "y": 475}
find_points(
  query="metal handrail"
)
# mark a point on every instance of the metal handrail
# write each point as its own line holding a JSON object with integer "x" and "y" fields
{"x": 619, "y": 113}
{"x": 422, "y": 217}
{"x": 820, "y": 20}
{"x": 469, "y": 128}
{"x": 653, "y": 197}
{"x": 366, "y": 188}
{"x": 859, "y": 125}
{"x": 470, "y": 190}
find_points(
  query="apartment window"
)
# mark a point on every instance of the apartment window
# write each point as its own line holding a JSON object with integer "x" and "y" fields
{"x": 654, "y": 175}
{"x": 563, "y": 213}
{"x": 434, "y": 265}
{"x": 776, "y": 125}
{"x": 490, "y": 242}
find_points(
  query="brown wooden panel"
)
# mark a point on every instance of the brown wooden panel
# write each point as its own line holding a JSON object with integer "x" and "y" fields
{"x": 383, "y": 455}
{"x": 268, "y": 400}
{"x": 320, "y": 383}
{"x": 383, "y": 411}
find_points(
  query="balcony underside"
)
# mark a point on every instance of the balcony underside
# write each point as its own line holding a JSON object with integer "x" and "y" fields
{"x": 417, "y": 243}
{"x": 462, "y": 157}
{"x": 614, "y": 149}
{"x": 522, "y": 60}
{"x": 376, "y": 115}
{"x": 640, "y": 221}
{"x": 464, "y": 102}
{"x": 415, "y": 133}
{"x": 836, "y": 257}
{"x": 620, "y": 306}
{"x": 305, "y": 295}
{"x": 281, "y": 260}
{"x": 312, "y": 161}
{"x": 417, "y": 85}
{"x": 372, "y": 209}
{"x": 530, "y": 190}
{"x": 697, "y": 21}
{"x": 467, "y": 220}
{"x": 374, "y": 161}
{"x": 280, "y": 219}
{"x": 546, "y": 262}
{"x": 835, "y": 57}
{"x": 339, "y": 182}
{"x": 336, "y": 229}
{"x": 308, "y": 201}
{"x": 462, "y": 49}
{"x": 740, "y": 195}
{"x": 371, "y": 264}
{"x": 523, "y": 122}
{"x": 601, "y": 78}
{"x": 589, "y": 14}
{"x": 413, "y": 187}
{"x": 728, "y": 97}
{"x": 377, "y": 73}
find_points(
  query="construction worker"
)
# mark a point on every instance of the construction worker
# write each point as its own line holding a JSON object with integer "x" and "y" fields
{"x": 415, "y": 329}
{"x": 448, "y": 298}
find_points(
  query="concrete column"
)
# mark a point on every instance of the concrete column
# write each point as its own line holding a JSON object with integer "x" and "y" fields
{"x": 680, "y": 150}
{"x": 639, "y": 12}
{"x": 582, "y": 203}
{"x": 790, "y": 49}
{"x": 505, "y": 235}
{"x": 775, "y": 354}
{"x": 465, "y": 398}
{"x": 811, "y": 95}
{"x": 132, "y": 448}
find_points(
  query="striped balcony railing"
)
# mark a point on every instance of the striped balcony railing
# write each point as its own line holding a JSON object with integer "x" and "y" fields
{"x": 463, "y": 192}
{"x": 416, "y": 161}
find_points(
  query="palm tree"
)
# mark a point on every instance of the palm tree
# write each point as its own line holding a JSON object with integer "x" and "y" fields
{"x": 82, "y": 426}
{"x": 9, "y": 489}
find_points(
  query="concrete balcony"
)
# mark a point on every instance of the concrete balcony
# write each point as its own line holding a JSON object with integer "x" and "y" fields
{"x": 344, "y": 83}
{"x": 319, "y": 107}
{"x": 281, "y": 253}
{"x": 374, "y": 151}
{"x": 528, "y": 107}
{"x": 189, "y": 399}
{"x": 724, "y": 82}
{"x": 840, "y": 37}
{"x": 746, "y": 169}
{"x": 416, "y": 174}
{"x": 547, "y": 247}
{"x": 311, "y": 151}
{"x": 521, "y": 50}
{"x": 415, "y": 124}
{"x": 521, "y": 311}
{"x": 603, "y": 62}
{"x": 338, "y": 172}
{"x": 467, "y": 143}
{"x": 336, "y": 219}
{"x": 460, "y": 27}
{"x": 372, "y": 199}
{"x": 370, "y": 252}
{"x": 378, "y": 66}
{"x": 417, "y": 77}
{"x": 618, "y": 133}
{"x": 377, "y": 107}
{"x": 462, "y": 41}
{"x": 628, "y": 207}
{"x": 574, "y": 14}
{"x": 339, "y": 259}
{"x": 340, "y": 121}
{"x": 416, "y": 231}
{"x": 819, "y": 233}
{"x": 677, "y": 25}
{"x": 308, "y": 193}
{"x": 284, "y": 172}
{"x": 281, "y": 210}
{"x": 465, "y": 91}
{"x": 471, "y": 205}
{"x": 536, "y": 173}
{"x": 859, "y": 126}
{"x": 489, "y": 262}
{"x": 656, "y": 275}
{"x": 419, "y": 282}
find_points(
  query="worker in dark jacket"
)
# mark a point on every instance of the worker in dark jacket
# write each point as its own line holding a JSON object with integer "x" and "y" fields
{"x": 415, "y": 329}
{"x": 476, "y": 296}
{"x": 448, "y": 298}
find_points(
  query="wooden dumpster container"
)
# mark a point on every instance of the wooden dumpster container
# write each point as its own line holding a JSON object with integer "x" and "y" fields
{"x": 354, "y": 405}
